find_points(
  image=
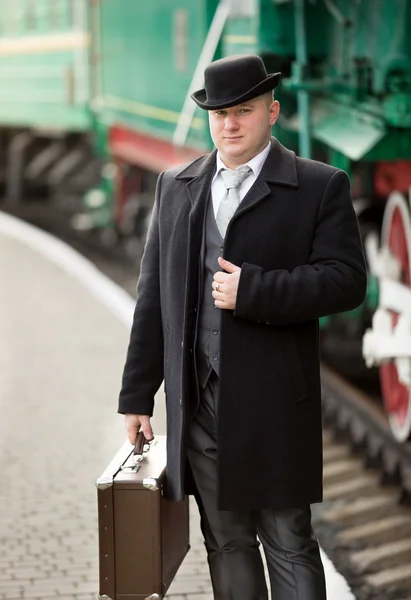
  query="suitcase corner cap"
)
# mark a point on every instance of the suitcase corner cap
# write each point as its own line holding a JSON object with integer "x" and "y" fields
{"x": 102, "y": 483}
{"x": 153, "y": 484}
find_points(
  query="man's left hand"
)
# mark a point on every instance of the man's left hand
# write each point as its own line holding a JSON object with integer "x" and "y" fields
{"x": 225, "y": 285}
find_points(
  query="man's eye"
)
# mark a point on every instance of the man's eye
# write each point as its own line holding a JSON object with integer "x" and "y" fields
{"x": 244, "y": 110}
{"x": 220, "y": 113}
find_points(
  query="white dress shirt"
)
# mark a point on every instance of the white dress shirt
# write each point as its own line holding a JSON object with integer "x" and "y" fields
{"x": 218, "y": 188}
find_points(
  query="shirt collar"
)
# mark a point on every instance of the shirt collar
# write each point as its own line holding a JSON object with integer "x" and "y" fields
{"x": 256, "y": 163}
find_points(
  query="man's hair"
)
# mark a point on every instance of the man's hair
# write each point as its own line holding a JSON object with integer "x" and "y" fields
{"x": 269, "y": 96}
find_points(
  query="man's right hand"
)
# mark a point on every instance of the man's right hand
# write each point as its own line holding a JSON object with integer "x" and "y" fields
{"x": 136, "y": 422}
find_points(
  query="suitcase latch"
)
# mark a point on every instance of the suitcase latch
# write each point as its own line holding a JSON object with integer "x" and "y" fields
{"x": 133, "y": 468}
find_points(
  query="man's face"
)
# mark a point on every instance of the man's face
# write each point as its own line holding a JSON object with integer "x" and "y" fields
{"x": 241, "y": 132}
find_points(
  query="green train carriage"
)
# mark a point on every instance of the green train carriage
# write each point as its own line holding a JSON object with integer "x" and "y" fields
{"x": 45, "y": 117}
{"x": 345, "y": 98}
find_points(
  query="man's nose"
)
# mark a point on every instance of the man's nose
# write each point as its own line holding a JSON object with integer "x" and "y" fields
{"x": 230, "y": 122}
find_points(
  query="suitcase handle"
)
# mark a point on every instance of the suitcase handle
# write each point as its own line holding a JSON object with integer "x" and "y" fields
{"x": 139, "y": 447}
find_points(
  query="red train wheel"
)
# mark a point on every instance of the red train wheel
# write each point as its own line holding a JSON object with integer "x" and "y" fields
{"x": 396, "y": 235}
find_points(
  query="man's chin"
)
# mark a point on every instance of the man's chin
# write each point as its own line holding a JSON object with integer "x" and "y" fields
{"x": 234, "y": 149}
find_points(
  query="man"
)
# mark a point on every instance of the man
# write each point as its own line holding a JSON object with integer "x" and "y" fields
{"x": 247, "y": 247}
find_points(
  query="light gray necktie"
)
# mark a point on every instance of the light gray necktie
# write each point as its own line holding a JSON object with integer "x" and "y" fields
{"x": 231, "y": 200}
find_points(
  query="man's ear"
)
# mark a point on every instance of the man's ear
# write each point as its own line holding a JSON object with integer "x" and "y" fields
{"x": 274, "y": 112}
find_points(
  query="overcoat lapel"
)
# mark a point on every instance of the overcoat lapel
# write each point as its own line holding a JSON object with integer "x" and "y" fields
{"x": 279, "y": 168}
{"x": 198, "y": 176}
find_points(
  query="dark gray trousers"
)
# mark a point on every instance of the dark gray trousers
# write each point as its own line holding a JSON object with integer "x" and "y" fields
{"x": 236, "y": 568}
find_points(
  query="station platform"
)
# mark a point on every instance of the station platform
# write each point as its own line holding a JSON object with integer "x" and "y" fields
{"x": 64, "y": 330}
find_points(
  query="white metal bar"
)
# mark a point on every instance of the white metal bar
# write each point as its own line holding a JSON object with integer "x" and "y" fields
{"x": 395, "y": 296}
{"x": 386, "y": 347}
{"x": 206, "y": 56}
{"x": 371, "y": 246}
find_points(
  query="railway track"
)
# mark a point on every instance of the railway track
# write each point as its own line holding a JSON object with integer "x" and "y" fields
{"x": 364, "y": 524}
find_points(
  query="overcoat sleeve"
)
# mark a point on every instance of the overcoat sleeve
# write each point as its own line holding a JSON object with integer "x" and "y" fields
{"x": 333, "y": 281}
{"x": 143, "y": 370}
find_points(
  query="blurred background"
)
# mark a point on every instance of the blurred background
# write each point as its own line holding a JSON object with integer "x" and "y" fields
{"x": 95, "y": 103}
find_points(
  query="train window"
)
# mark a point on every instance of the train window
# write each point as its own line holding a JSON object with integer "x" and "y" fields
{"x": 68, "y": 11}
{"x": 77, "y": 12}
{"x": 180, "y": 40}
{"x": 61, "y": 14}
{"x": 11, "y": 19}
{"x": 31, "y": 15}
{"x": 54, "y": 15}
{"x": 42, "y": 16}
{"x": 4, "y": 25}
{"x": 16, "y": 17}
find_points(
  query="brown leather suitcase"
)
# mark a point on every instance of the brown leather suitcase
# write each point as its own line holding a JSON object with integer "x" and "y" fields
{"x": 143, "y": 538}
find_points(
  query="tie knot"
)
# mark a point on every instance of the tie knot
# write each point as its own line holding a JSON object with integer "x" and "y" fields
{"x": 234, "y": 179}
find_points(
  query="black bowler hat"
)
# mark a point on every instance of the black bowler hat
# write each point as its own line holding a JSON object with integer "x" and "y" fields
{"x": 234, "y": 80}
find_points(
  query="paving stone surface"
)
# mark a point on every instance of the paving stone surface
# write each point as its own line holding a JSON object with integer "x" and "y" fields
{"x": 61, "y": 358}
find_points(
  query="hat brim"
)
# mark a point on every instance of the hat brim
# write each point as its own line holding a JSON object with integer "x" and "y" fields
{"x": 200, "y": 97}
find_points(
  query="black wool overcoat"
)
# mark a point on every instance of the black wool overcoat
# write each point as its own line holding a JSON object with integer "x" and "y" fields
{"x": 295, "y": 237}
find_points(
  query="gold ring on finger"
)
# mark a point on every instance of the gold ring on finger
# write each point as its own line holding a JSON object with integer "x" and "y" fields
{"x": 217, "y": 287}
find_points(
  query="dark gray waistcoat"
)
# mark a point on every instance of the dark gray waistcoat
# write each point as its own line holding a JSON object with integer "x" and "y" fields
{"x": 209, "y": 319}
